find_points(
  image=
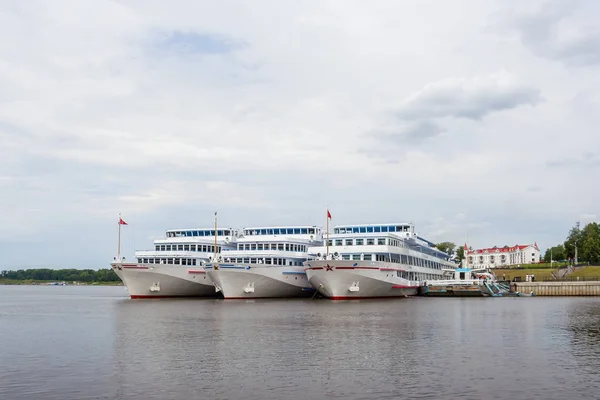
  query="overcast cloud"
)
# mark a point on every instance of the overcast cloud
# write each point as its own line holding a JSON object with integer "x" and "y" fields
{"x": 476, "y": 120}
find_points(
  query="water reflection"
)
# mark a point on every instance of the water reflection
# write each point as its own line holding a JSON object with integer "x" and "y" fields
{"x": 75, "y": 344}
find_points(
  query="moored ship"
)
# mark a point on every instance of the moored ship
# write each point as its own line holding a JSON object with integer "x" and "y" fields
{"x": 175, "y": 267}
{"x": 267, "y": 263}
{"x": 374, "y": 260}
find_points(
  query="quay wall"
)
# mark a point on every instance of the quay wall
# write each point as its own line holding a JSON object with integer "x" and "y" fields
{"x": 590, "y": 288}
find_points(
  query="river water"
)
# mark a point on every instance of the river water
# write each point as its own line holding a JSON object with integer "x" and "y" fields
{"x": 95, "y": 343}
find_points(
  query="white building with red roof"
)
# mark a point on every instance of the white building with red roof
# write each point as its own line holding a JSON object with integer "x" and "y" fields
{"x": 498, "y": 257}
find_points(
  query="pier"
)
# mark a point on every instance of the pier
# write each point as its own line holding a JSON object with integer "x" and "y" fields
{"x": 576, "y": 288}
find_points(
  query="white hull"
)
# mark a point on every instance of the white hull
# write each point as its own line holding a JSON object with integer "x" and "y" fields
{"x": 261, "y": 282}
{"x": 160, "y": 281}
{"x": 347, "y": 279}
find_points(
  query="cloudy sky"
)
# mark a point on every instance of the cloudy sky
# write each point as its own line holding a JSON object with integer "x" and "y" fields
{"x": 473, "y": 119}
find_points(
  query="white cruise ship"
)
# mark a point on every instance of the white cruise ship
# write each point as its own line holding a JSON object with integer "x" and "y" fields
{"x": 268, "y": 262}
{"x": 370, "y": 261}
{"x": 175, "y": 267}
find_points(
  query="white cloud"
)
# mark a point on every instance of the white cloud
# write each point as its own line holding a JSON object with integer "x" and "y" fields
{"x": 271, "y": 111}
{"x": 471, "y": 98}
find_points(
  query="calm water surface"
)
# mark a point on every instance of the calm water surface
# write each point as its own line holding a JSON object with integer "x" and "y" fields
{"x": 96, "y": 343}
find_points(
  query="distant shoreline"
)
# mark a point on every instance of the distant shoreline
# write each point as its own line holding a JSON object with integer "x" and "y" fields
{"x": 32, "y": 282}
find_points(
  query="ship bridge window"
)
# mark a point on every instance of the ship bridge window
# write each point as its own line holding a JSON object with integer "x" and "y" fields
{"x": 259, "y": 246}
{"x": 376, "y": 229}
{"x": 338, "y": 242}
{"x": 380, "y": 241}
{"x": 345, "y": 256}
{"x": 363, "y": 229}
{"x": 359, "y": 242}
{"x": 304, "y": 231}
{"x": 370, "y": 242}
{"x": 367, "y": 257}
{"x": 157, "y": 247}
{"x": 369, "y": 229}
{"x": 280, "y": 246}
{"x": 348, "y": 242}
{"x": 384, "y": 229}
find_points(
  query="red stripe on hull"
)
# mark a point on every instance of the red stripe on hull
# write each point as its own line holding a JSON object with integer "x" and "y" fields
{"x": 404, "y": 287}
{"x": 356, "y": 268}
{"x": 366, "y": 297}
{"x": 314, "y": 268}
{"x": 196, "y": 272}
{"x": 162, "y": 296}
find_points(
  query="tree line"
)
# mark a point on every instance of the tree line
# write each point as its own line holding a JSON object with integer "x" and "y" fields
{"x": 586, "y": 240}
{"x": 67, "y": 275}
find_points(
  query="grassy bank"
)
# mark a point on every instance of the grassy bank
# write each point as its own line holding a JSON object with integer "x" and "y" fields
{"x": 4, "y": 281}
{"x": 542, "y": 274}
{"x": 510, "y": 273}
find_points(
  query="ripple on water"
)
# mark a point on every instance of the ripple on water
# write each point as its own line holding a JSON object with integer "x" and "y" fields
{"x": 94, "y": 343}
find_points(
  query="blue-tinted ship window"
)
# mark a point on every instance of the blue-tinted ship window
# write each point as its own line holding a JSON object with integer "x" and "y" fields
{"x": 363, "y": 229}
{"x": 355, "y": 229}
{"x": 392, "y": 228}
{"x": 296, "y": 231}
{"x": 384, "y": 229}
{"x": 370, "y": 229}
{"x": 304, "y": 231}
{"x": 377, "y": 229}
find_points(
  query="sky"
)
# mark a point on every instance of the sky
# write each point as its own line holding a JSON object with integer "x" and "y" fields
{"x": 475, "y": 120}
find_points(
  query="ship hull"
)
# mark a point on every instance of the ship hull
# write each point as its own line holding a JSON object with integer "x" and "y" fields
{"x": 261, "y": 282}
{"x": 164, "y": 281}
{"x": 345, "y": 280}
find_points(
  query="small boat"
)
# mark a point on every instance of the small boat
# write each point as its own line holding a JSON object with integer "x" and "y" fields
{"x": 466, "y": 282}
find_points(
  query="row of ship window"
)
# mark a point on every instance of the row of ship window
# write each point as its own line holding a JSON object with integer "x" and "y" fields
{"x": 239, "y": 260}
{"x": 199, "y": 233}
{"x": 272, "y": 246}
{"x": 368, "y": 242}
{"x": 172, "y": 261}
{"x": 372, "y": 229}
{"x": 394, "y": 258}
{"x": 204, "y": 248}
{"x": 416, "y": 276}
{"x": 270, "y": 261}
{"x": 280, "y": 231}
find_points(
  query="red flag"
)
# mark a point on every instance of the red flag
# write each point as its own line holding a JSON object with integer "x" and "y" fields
{"x": 328, "y": 214}
{"x": 121, "y": 222}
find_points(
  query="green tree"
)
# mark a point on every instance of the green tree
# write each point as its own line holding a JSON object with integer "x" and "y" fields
{"x": 589, "y": 247}
{"x": 446, "y": 247}
{"x": 575, "y": 237}
{"x": 556, "y": 253}
{"x": 460, "y": 253}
